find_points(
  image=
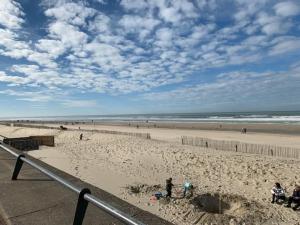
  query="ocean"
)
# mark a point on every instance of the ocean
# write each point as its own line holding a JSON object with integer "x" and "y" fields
{"x": 230, "y": 117}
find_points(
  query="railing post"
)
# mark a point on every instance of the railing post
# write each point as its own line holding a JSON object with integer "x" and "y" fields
{"x": 18, "y": 167}
{"x": 81, "y": 207}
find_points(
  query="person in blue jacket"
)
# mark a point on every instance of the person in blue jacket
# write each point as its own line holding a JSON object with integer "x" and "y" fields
{"x": 188, "y": 187}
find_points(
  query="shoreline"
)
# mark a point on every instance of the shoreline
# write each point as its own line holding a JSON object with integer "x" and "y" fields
{"x": 272, "y": 128}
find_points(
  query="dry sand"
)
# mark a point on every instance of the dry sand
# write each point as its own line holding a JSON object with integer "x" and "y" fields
{"x": 236, "y": 186}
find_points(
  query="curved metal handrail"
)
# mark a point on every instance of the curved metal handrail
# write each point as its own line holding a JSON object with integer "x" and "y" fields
{"x": 85, "y": 195}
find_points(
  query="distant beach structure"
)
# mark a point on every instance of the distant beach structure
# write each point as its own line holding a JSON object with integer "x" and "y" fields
{"x": 29, "y": 143}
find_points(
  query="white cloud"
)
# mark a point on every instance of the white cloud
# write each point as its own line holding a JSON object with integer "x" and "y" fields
{"x": 273, "y": 24}
{"x": 136, "y": 23}
{"x": 103, "y": 2}
{"x": 67, "y": 33}
{"x": 234, "y": 89}
{"x": 154, "y": 43}
{"x": 134, "y": 4}
{"x": 164, "y": 37}
{"x": 13, "y": 47}
{"x": 79, "y": 103}
{"x": 16, "y": 80}
{"x": 28, "y": 95}
{"x": 247, "y": 9}
{"x": 170, "y": 14}
{"x": 284, "y": 45}
{"x": 42, "y": 59}
{"x": 199, "y": 34}
{"x": 101, "y": 24}
{"x": 287, "y": 8}
{"x": 53, "y": 47}
{"x": 71, "y": 13}
{"x": 10, "y": 14}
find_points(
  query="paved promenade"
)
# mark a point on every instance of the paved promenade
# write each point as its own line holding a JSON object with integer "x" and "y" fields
{"x": 35, "y": 199}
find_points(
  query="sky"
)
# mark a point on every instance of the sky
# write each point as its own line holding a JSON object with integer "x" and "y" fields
{"x": 61, "y": 57}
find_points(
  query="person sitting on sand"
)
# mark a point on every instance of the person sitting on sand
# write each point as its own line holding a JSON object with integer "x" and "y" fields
{"x": 188, "y": 187}
{"x": 294, "y": 198}
{"x": 169, "y": 186}
{"x": 277, "y": 193}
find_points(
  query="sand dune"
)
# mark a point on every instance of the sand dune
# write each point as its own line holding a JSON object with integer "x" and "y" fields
{"x": 236, "y": 186}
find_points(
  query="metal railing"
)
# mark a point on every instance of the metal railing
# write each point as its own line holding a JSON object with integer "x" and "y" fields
{"x": 85, "y": 195}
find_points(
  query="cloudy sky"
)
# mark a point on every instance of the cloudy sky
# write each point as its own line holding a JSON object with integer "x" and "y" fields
{"x": 60, "y": 57}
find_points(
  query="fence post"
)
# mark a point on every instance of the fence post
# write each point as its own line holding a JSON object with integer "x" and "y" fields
{"x": 81, "y": 207}
{"x": 18, "y": 167}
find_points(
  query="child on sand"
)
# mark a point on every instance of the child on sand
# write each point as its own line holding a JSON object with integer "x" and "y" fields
{"x": 169, "y": 186}
{"x": 277, "y": 193}
{"x": 294, "y": 198}
{"x": 188, "y": 187}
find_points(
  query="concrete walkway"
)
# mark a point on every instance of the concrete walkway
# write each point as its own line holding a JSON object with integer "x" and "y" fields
{"x": 34, "y": 199}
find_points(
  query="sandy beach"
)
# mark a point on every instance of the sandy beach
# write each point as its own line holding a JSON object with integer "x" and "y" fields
{"x": 236, "y": 185}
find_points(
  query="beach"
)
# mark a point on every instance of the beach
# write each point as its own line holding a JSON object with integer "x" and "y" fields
{"x": 237, "y": 185}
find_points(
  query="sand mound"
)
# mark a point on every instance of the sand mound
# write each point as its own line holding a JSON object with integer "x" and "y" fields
{"x": 143, "y": 188}
{"x": 225, "y": 209}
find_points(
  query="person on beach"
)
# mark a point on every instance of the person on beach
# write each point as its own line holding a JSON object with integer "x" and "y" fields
{"x": 169, "y": 186}
{"x": 80, "y": 137}
{"x": 244, "y": 130}
{"x": 277, "y": 193}
{"x": 295, "y": 198}
{"x": 188, "y": 188}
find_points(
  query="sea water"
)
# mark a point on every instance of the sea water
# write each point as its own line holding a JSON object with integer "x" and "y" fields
{"x": 232, "y": 117}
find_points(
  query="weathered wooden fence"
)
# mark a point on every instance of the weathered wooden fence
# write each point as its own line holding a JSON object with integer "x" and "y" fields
{"x": 141, "y": 135}
{"x": 243, "y": 147}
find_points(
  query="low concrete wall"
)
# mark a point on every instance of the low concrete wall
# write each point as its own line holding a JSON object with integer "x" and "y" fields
{"x": 22, "y": 143}
{"x": 44, "y": 140}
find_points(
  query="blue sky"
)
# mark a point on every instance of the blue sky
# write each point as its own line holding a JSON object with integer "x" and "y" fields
{"x": 63, "y": 57}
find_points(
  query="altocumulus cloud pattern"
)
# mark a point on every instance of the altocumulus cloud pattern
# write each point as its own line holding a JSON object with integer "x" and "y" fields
{"x": 202, "y": 55}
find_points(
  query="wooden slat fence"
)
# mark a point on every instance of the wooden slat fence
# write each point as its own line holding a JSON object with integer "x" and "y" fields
{"x": 141, "y": 135}
{"x": 236, "y": 146}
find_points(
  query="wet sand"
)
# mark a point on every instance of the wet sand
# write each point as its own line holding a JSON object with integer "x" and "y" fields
{"x": 274, "y": 128}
